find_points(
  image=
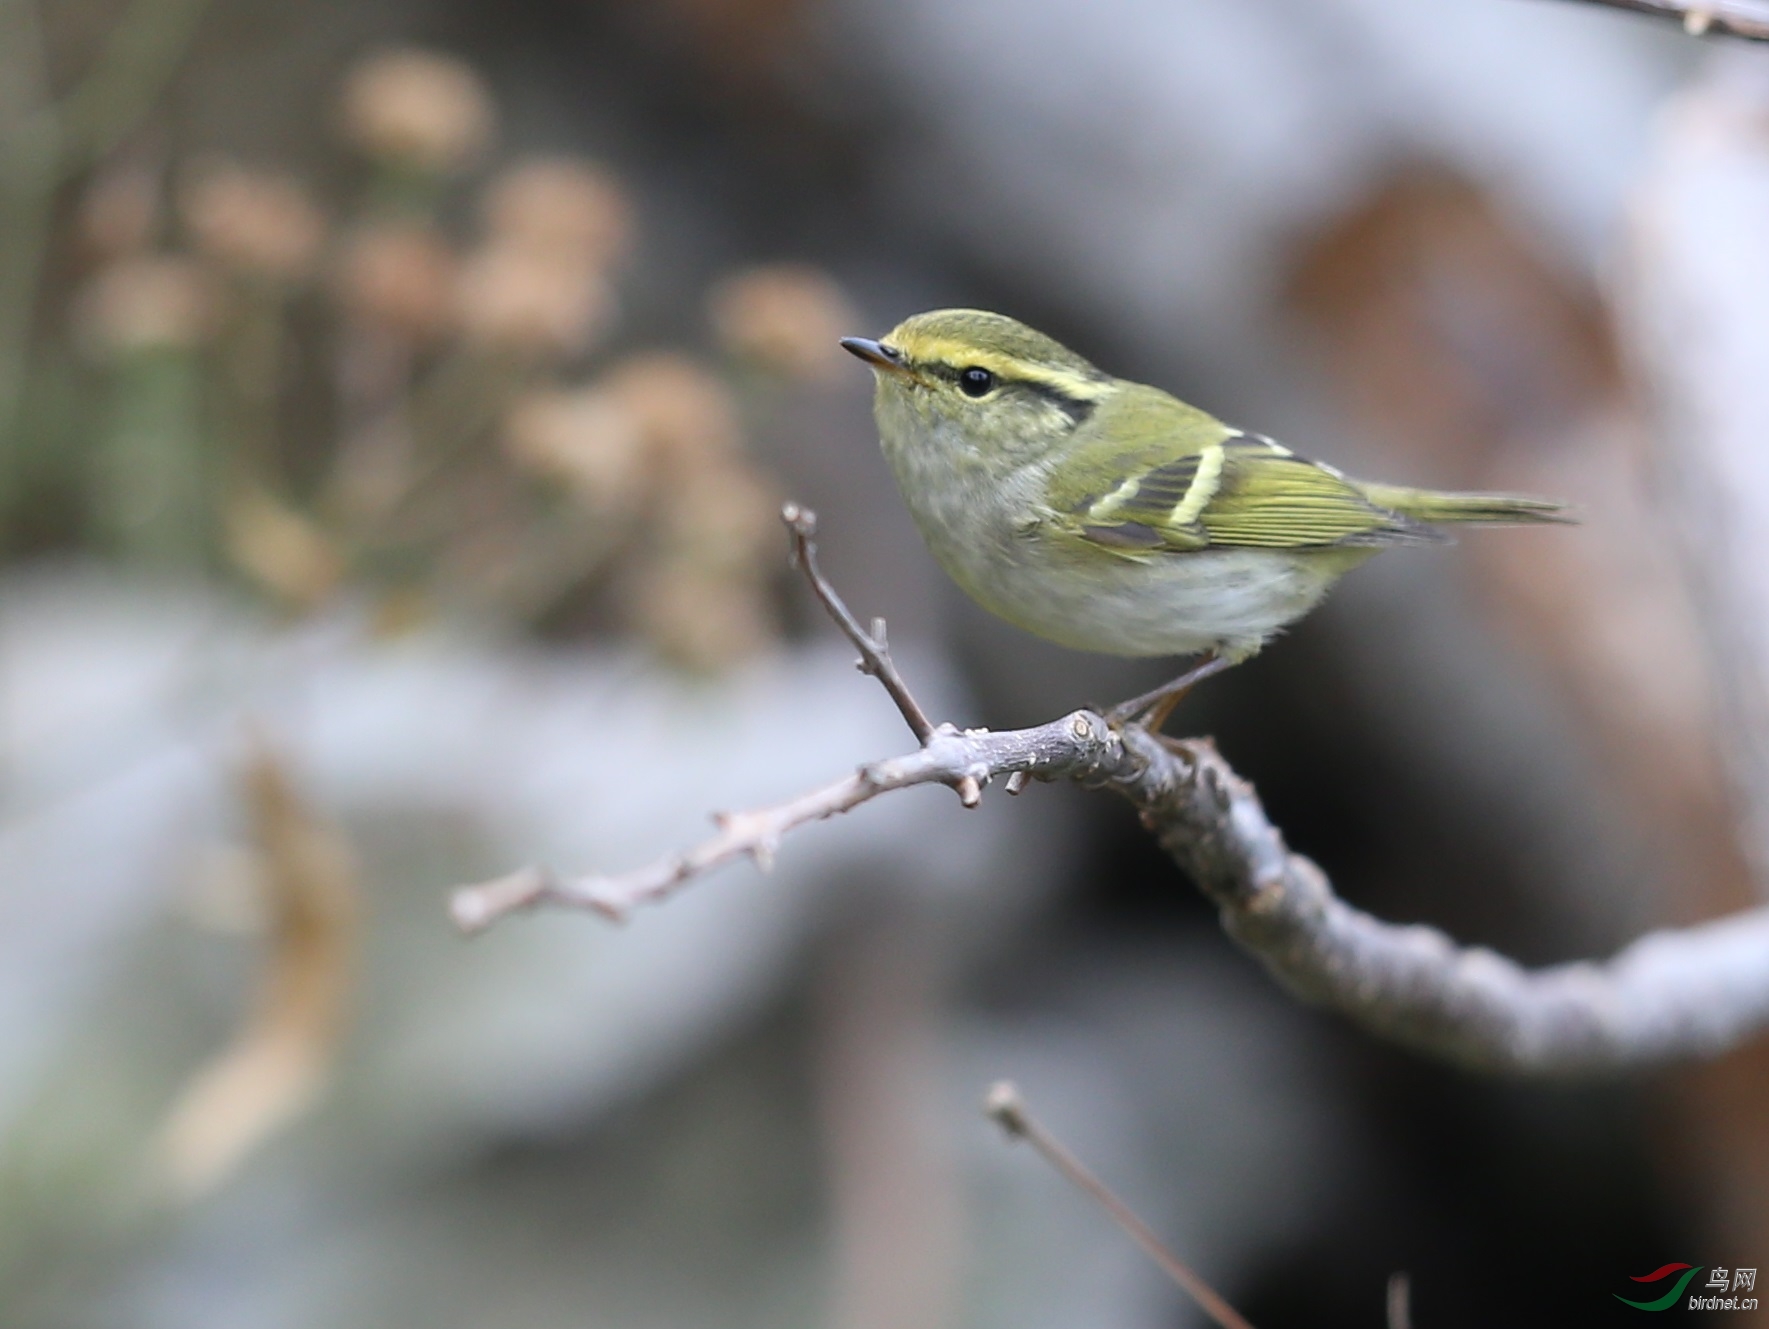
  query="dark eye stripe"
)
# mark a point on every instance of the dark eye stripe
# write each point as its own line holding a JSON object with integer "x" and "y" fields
{"x": 1078, "y": 409}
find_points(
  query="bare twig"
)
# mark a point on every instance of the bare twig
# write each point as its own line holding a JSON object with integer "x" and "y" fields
{"x": 949, "y": 757}
{"x": 1736, "y": 18}
{"x": 1008, "y": 1110}
{"x": 1674, "y": 994}
{"x": 875, "y": 653}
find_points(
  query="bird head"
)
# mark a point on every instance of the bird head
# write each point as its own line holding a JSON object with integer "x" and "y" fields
{"x": 981, "y": 380}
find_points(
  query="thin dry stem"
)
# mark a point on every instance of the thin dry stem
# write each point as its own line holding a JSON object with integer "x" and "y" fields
{"x": 278, "y": 1063}
{"x": 1008, "y": 1110}
{"x": 875, "y": 653}
{"x": 950, "y": 757}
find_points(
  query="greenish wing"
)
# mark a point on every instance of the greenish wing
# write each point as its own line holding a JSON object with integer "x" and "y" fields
{"x": 1199, "y": 484}
{"x": 1272, "y": 499}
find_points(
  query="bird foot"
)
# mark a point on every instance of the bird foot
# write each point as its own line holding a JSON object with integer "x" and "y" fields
{"x": 1151, "y": 709}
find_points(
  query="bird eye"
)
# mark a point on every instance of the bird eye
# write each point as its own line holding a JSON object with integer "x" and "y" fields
{"x": 975, "y": 382}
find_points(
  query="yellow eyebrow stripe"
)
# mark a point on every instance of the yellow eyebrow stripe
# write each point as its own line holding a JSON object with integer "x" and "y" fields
{"x": 962, "y": 355}
{"x": 1202, "y": 488}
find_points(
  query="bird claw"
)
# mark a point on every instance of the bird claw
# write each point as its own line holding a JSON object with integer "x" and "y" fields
{"x": 1151, "y": 709}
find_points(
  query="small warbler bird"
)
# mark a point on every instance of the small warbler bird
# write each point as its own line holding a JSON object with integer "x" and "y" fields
{"x": 1110, "y": 516}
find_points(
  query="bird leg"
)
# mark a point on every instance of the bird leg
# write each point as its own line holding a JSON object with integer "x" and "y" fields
{"x": 1152, "y": 708}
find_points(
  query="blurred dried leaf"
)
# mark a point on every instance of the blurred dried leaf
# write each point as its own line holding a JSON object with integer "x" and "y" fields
{"x": 403, "y": 609}
{"x": 701, "y": 596}
{"x": 399, "y": 276}
{"x": 685, "y": 408}
{"x": 560, "y": 206}
{"x": 229, "y": 891}
{"x": 531, "y": 303}
{"x": 278, "y": 1063}
{"x": 585, "y": 438}
{"x": 260, "y": 223}
{"x": 698, "y": 592}
{"x": 436, "y": 353}
{"x": 722, "y": 516}
{"x": 698, "y": 617}
{"x": 120, "y": 211}
{"x": 786, "y": 317}
{"x": 418, "y": 109}
{"x": 281, "y": 549}
{"x": 142, "y": 304}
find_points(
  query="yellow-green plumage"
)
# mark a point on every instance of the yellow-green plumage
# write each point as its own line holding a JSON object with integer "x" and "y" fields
{"x": 1111, "y": 516}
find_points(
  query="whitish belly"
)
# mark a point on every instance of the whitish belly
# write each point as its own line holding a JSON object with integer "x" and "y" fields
{"x": 1217, "y": 599}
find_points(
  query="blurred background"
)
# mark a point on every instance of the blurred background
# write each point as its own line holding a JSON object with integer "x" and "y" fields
{"x": 395, "y": 403}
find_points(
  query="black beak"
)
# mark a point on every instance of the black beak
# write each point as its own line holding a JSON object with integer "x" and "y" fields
{"x": 875, "y": 353}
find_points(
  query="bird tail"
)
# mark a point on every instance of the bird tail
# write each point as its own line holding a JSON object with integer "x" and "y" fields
{"x": 1432, "y": 505}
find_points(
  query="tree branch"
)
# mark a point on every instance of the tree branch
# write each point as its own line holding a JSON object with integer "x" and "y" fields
{"x": 1737, "y": 18}
{"x": 1669, "y": 995}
